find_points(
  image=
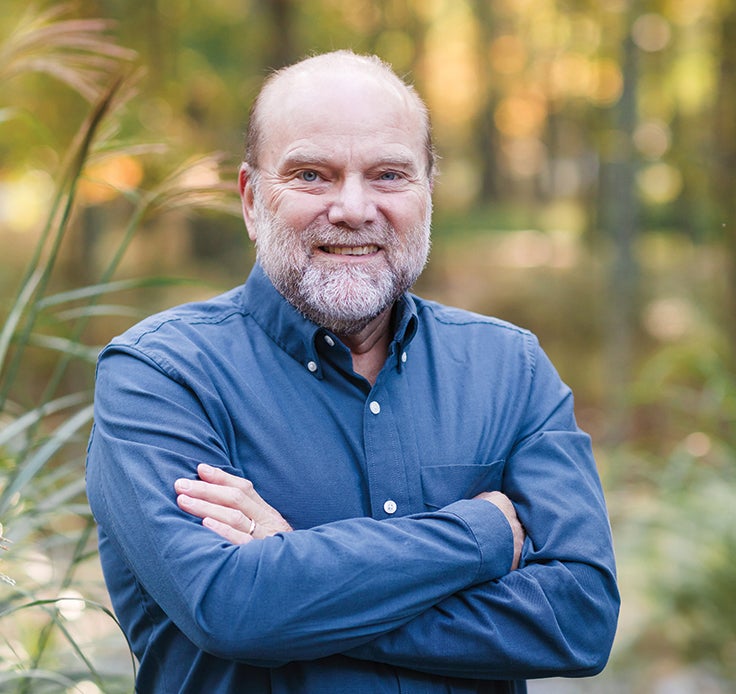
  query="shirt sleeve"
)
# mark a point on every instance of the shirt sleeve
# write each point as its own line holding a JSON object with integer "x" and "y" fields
{"x": 299, "y": 595}
{"x": 557, "y": 614}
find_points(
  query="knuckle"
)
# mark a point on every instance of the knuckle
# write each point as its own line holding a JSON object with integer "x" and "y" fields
{"x": 237, "y": 518}
{"x": 237, "y": 497}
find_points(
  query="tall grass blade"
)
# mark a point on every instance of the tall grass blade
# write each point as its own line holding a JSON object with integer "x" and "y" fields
{"x": 53, "y": 602}
{"x": 102, "y": 288}
{"x": 77, "y": 52}
{"x": 35, "y": 462}
{"x": 70, "y": 348}
{"x": 32, "y": 417}
{"x": 61, "y": 209}
{"x": 14, "y": 317}
{"x": 38, "y": 675}
{"x": 87, "y": 312}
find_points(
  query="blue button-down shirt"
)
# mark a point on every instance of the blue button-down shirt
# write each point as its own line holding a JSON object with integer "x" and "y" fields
{"x": 395, "y": 579}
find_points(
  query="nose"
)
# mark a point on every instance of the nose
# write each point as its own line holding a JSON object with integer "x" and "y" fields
{"x": 353, "y": 205}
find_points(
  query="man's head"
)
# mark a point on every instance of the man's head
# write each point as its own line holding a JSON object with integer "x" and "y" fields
{"x": 338, "y": 60}
{"x": 336, "y": 187}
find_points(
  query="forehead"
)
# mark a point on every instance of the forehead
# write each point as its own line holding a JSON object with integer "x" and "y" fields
{"x": 341, "y": 112}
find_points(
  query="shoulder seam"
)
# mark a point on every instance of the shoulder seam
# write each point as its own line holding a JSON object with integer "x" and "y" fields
{"x": 203, "y": 320}
{"x": 471, "y": 320}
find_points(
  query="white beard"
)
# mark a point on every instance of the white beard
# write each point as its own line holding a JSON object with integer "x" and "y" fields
{"x": 340, "y": 297}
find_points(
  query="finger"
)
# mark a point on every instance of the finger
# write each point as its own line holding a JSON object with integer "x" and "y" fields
{"x": 506, "y": 506}
{"x": 227, "y": 496}
{"x": 221, "y": 478}
{"x": 242, "y": 493}
{"x": 225, "y": 531}
{"x": 224, "y": 489}
{"x": 215, "y": 475}
{"x": 231, "y": 517}
{"x": 216, "y": 493}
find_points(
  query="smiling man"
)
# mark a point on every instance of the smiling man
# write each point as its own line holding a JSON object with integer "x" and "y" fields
{"x": 338, "y": 195}
{"x": 321, "y": 483}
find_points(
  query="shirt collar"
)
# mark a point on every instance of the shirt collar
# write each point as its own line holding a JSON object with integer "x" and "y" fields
{"x": 298, "y": 336}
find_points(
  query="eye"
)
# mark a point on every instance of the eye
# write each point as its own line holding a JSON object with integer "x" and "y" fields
{"x": 308, "y": 176}
{"x": 389, "y": 176}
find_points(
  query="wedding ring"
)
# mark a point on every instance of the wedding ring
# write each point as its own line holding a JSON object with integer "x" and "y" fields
{"x": 252, "y": 527}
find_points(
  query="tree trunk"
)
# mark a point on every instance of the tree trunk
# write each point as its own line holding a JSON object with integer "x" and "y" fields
{"x": 725, "y": 174}
{"x": 486, "y": 135}
{"x": 284, "y": 50}
{"x": 620, "y": 221}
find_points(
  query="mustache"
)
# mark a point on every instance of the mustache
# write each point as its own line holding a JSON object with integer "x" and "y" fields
{"x": 331, "y": 235}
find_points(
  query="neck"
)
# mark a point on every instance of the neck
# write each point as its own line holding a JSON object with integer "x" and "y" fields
{"x": 369, "y": 347}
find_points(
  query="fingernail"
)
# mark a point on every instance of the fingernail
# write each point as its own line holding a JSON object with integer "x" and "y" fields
{"x": 182, "y": 484}
{"x": 206, "y": 469}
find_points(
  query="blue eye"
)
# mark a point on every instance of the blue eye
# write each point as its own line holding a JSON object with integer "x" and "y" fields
{"x": 389, "y": 176}
{"x": 308, "y": 176}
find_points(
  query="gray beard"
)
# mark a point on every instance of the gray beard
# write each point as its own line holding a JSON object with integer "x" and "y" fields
{"x": 342, "y": 299}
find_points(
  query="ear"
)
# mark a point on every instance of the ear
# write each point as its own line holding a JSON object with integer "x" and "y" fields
{"x": 245, "y": 185}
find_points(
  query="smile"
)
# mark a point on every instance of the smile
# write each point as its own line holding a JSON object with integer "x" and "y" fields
{"x": 350, "y": 250}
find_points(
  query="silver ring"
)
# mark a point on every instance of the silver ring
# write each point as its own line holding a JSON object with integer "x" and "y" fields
{"x": 252, "y": 527}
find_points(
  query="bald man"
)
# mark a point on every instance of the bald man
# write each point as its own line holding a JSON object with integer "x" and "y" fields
{"x": 319, "y": 482}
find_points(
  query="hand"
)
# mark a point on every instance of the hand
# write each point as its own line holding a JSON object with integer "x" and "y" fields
{"x": 504, "y": 503}
{"x": 229, "y": 505}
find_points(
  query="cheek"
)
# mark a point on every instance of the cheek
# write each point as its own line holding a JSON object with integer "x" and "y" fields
{"x": 297, "y": 211}
{"x": 409, "y": 220}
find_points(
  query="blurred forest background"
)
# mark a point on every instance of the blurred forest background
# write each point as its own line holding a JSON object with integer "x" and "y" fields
{"x": 587, "y": 192}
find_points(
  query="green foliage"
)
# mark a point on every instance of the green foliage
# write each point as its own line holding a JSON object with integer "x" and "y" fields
{"x": 51, "y": 564}
{"x": 675, "y": 515}
{"x": 525, "y": 99}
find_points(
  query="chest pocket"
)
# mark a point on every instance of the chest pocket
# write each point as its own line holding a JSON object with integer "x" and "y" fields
{"x": 444, "y": 484}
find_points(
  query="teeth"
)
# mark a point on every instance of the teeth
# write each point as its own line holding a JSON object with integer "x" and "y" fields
{"x": 351, "y": 250}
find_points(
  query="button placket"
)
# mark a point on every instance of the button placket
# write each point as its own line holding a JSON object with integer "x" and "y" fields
{"x": 386, "y": 475}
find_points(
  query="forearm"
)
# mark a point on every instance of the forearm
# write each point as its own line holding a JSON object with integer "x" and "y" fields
{"x": 300, "y": 595}
{"x": 557, "y": 615}
{"x": 562, "y": 626}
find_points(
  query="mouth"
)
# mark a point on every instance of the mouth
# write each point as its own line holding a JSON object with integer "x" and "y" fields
{"x": 350, "y": 250}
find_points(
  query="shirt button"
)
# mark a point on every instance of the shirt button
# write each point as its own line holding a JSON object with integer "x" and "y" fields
{"x": 312, "y": 366}
{"x": 403, "y": 357}
{"x": 390, "y": 506}
{"x": 374, "y": 407}
{"x": 329, "y": 341}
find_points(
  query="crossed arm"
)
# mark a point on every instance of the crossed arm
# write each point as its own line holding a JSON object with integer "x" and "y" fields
{"x": 481, "y": 631}
{"x": 231, "y": 507}
{"x": 433, "y": 592}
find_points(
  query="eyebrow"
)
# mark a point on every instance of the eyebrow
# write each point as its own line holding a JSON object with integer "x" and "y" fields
{"x": 398, "y": 160}
{"x": 299, "y": 160}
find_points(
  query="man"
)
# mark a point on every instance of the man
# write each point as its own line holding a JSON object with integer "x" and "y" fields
{"x": 320, "y": 483}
